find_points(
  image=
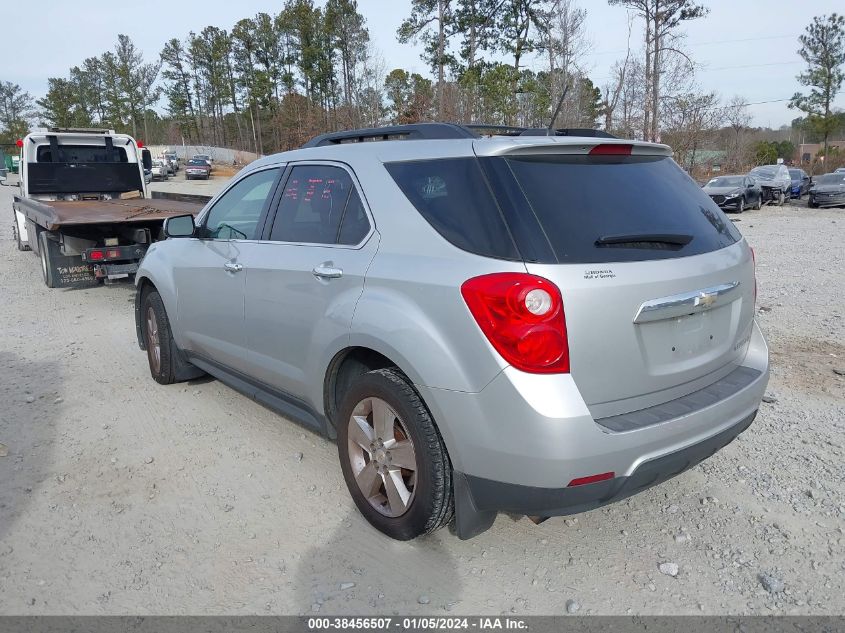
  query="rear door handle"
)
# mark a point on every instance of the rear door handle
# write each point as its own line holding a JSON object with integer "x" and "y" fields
{"x": 232, "y": 267}
{"x": 327, "y": 272}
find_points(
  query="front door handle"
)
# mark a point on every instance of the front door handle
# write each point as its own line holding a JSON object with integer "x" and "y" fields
{"x": 327, "y": 272}
{"x": 232, "y": 267}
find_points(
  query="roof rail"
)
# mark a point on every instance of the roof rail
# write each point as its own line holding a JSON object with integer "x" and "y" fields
{"x": 501, "y": 130}
{"x": 416, "y": 131}
{"x": 433, "y": 131}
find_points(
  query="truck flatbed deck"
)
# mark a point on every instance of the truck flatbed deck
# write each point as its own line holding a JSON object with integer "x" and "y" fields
{"x": 54, "y": 215}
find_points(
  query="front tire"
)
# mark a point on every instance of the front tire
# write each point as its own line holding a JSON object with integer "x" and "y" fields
{"x": 759, "y": 204}
{"x": 781, "y": 199}
{"x": 393, "y": 459}
{"x": 740, "y": 207}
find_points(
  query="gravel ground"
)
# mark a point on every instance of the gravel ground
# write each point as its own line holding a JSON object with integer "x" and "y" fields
{"x": 118, "y": 495}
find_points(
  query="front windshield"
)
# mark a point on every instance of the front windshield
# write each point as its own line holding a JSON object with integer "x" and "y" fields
{"x": 196, "y": 162}
{"x": 796, "y": 174}
{"x": 726, "y": 181}
{"x": 764, "y": 172}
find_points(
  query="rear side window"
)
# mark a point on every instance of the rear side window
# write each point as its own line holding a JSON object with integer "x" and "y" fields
{"x": 596, "y": 209}
{"x": 453, "y": 196}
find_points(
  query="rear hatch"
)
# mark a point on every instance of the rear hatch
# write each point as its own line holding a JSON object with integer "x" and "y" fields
{"x": 657, "y": 283}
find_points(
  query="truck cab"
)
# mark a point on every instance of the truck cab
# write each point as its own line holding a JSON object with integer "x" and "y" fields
{"x": 84, "y": 206}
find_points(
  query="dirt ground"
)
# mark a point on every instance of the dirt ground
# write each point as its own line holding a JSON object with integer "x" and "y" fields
{"x": 121, "y": 496}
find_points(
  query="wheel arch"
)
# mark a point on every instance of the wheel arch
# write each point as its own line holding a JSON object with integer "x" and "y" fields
{"x": 343, "y": 368}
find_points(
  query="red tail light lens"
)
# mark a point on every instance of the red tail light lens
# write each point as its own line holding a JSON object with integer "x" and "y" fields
{"x": 96, "y": 255}
{"x": 580, "y": 481}
{"x": 612, "y": 149}
{"x": 522, "y": 317}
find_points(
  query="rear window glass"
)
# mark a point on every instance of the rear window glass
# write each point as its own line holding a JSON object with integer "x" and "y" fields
{"x": 81, "y": 154}
{"x": 452, "y": 195}
{"x": 579, "y": 200}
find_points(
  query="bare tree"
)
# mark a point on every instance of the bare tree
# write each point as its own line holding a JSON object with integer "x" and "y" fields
{"x": 737, "y": 118}
{"x": 662, "y": 18}
{"x": 691, "y": 120}
{"x": 613, "y": 92}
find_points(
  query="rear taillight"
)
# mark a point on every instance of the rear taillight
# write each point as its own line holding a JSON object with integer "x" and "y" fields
{"x": 96, "y": 255}
{"x": 522, "y": 317}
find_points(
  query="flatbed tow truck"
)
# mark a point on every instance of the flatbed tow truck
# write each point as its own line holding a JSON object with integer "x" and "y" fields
{"x": 84, "y": 207}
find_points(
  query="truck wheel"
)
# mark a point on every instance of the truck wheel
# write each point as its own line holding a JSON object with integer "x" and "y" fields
{"x": 47, "y": 272}
{"x": 392, "y": 456}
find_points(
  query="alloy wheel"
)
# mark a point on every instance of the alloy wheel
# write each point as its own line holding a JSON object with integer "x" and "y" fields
{"x": 153, "y": 342}
{"x": 382, "y": 457}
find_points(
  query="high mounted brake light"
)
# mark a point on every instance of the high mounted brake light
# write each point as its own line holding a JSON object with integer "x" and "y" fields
{"x": 522, "y": 317}
{"x": 612, "y": 149}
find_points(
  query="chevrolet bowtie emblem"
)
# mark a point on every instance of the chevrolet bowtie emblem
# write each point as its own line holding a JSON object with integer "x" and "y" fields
{"x": 705, "y": 299}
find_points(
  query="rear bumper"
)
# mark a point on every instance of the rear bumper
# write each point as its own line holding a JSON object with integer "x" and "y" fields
{"x": 518, "y": 443}
{"x": 533, "y": 501}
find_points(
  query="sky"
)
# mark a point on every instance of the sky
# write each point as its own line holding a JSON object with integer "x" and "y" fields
{"x": 743, "y": 47}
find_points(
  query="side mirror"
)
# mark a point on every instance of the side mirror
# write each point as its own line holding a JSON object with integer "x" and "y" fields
{"x": 147, "y": 158}
{"x": 179, "y": 226}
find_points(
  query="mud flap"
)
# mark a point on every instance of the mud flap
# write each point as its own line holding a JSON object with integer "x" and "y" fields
{"x": 469, "y": 520}
{"x": 67, "y": 271}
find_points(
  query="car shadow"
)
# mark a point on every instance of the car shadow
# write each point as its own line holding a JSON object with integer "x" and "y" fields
{"x": 359, "y": 571}
{"x": 27, "y": 430}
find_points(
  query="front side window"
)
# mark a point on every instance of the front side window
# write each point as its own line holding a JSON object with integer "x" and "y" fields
{"x": 236, "y": 214}
{"x": 320, "y": 205}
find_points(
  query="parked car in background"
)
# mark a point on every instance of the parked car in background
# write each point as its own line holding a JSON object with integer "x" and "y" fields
{"x": 173, "y": 159}
{"x": 800, "y": 183}
{"x": 471, "y": 348}
{"x": 840, "y": 170}
{"x": 203, "y": 157}
{"x": 774, "y": 181}
{"x": 169, "y": 164}
{"x": 160, "y": 170}
{"x": 735, "y": 192}
{"x": 197, "y": 169}
{"x": 828, "y": 190}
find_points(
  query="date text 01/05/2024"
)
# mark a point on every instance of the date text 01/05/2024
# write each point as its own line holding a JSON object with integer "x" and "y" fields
{"x": 417, "y": 623}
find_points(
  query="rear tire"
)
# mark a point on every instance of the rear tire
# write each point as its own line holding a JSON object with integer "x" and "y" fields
{"x": 408, "y": 491}
{"x": 47, "y": 272}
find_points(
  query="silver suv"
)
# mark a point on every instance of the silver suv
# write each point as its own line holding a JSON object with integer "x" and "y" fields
{"x": 536, "y": 324}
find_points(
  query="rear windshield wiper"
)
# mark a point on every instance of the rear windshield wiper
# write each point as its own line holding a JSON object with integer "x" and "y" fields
{"x": 645, "y": 240}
